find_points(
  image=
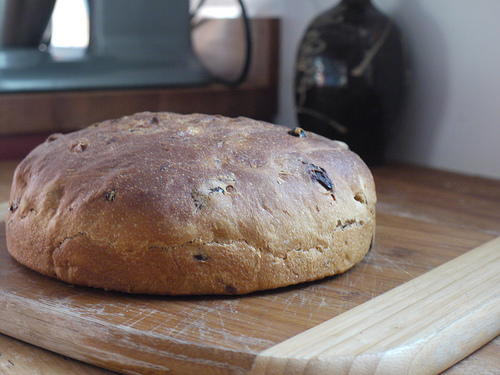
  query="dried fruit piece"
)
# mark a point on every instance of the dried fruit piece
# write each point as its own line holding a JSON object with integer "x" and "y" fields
{"x": 202, "y": 257}
{"x": 298, "y": 132}
{"x": 111, "y": 195}
{"x": 319, "y": 174}
{"x": 217, "y": 189}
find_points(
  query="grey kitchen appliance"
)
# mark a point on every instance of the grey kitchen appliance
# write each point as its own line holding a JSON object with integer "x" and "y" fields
{"x": 132, "y": 43}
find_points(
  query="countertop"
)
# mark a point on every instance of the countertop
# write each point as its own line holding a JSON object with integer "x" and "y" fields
{"x": 421, "y": 196}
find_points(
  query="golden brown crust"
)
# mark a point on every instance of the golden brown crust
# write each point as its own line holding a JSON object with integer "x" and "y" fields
{"x": 190, "y": 204}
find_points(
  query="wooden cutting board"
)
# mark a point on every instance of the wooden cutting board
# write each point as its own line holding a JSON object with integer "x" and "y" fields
{"x": 419, "y": 302}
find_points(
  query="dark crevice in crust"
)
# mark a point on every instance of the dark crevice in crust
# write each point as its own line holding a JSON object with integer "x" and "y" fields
{"x": 344, "y": 224}
{"x": 79, "y": 234}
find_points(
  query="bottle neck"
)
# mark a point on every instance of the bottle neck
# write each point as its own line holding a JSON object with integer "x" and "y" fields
{"x": 360, "y": 3}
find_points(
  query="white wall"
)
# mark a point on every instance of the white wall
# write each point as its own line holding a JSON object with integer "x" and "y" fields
{"x": 452, "y": 120}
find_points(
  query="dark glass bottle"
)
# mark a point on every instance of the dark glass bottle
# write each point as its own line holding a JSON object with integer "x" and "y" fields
{"x": 350, "y": 77}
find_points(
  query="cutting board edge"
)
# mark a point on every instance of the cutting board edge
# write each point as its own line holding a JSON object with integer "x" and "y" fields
{"x": 72, "y": 341}
{"x": 279, "y": 359}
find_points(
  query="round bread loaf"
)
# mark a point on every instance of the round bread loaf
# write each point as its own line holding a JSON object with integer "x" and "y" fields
{"x": 163, "y": 203}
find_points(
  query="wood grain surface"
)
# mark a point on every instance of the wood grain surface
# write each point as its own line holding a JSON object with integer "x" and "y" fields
{"x": 425, "y": 218}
